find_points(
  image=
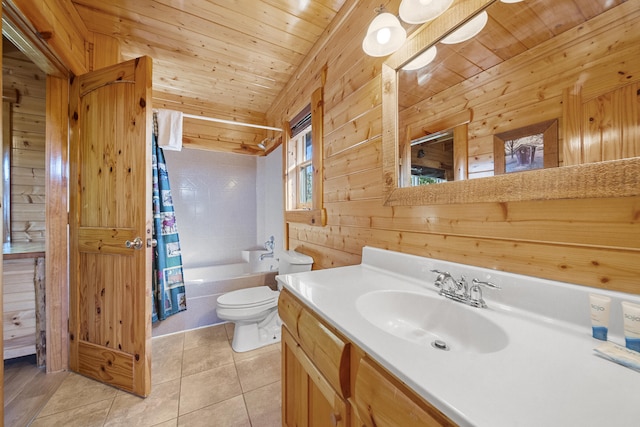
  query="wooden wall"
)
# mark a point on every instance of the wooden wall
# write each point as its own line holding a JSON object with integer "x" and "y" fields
{"x": 27, "y": 147}
{"x": 19, "y": 310}
{"x": 594, "y": 242}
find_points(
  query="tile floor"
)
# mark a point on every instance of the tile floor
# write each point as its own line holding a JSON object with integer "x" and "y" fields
{"x": 197, "y": 380}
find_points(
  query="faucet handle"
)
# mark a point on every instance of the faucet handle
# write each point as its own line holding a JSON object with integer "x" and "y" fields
{"x": 442, "y": 276}
{"x": 475, "y": 293}
{"x": 487, "y": 284}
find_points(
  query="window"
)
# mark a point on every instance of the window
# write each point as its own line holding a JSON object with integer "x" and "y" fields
{"x": 300, "y": 169}
{"x": 303, "y": 165}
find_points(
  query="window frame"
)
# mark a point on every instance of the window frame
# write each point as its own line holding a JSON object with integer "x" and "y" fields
{"x": 313, "y": 213}
{"x": 296, "y": 164}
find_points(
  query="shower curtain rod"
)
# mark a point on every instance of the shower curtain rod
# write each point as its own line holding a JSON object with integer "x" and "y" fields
{"x": 230, "y": 122}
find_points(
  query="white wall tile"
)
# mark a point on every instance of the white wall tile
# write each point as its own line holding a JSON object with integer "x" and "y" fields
{"x": 270, "y": 205}
{"x": 215, "y": 199}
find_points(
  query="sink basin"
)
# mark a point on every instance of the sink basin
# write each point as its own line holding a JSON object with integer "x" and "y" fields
{"x": 424, "y": 319}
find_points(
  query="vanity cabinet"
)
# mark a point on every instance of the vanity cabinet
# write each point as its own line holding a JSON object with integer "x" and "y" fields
{"x": 315, "y": 369}
{"x": 329, "y": 381}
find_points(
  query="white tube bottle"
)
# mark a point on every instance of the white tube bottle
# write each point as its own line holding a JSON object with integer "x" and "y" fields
{"x": 631, "y": 313}
{"x": 600, "y": 306}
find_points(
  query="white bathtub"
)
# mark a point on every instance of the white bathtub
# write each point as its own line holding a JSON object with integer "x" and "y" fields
{"x": 203, "y": 286}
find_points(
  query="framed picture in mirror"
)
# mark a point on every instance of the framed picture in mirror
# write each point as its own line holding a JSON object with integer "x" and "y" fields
{"x": 526, "y": 148}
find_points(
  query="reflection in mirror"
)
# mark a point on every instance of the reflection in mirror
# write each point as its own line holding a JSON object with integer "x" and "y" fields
{"x": 432, "y": 159}
{"x": 527, "y": 148}
{"x": 535, "y": 61}
{"x": 434, "y": 152}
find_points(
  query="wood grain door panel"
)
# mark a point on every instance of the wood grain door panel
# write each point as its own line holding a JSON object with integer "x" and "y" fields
{"x": 110, "y": 204}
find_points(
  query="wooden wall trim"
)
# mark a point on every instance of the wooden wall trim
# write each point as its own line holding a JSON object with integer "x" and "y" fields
{"x": 315, "y": 216}
{"x": 57, "y": 280}
{"x": 59, "y": 25}
{"x": 6, "y": 163}
{"x": 1, "y": 285}
{"x": 615, "y": 178}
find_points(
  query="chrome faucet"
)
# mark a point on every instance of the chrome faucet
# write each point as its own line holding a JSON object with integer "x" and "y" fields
{"x": 459, "y": 290}
{"x": 268, "y": 245}
{"x": 475, "y": 293}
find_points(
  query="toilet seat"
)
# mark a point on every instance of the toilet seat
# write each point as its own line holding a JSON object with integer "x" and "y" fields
{"x": 258, "y": 297}
{"x": 247, "y": 305}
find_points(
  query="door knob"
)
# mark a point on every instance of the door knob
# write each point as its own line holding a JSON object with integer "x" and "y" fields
{"x": 135, "y": 244}
{"x": 152, "y": 243}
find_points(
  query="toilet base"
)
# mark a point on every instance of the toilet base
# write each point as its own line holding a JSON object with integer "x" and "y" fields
{"x": 252, "y": 335}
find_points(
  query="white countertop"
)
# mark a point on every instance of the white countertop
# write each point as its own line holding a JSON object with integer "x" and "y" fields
{"x": 547, "y": 375}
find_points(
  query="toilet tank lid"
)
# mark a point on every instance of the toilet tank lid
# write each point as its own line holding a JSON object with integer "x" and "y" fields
{"x": 296, "y": 258}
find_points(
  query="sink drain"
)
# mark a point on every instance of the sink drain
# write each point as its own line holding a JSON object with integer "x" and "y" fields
{"x": 440, "y": 345}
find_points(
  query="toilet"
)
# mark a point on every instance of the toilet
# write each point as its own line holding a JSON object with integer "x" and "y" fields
{"x": 255, "y": 310}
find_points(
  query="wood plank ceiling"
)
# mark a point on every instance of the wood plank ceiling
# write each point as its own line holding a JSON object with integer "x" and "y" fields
{"x": 231, "y": 58}
{"x": 220, "y": 58}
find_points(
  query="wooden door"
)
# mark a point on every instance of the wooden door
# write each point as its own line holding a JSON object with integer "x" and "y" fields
{"x": 109, "y": 211}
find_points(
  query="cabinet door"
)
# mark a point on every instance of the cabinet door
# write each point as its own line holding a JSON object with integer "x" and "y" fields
{"x": 308, "y": 399}
{"x": 382, "y": 401}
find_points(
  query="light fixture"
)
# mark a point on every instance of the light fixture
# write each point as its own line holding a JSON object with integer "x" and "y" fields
{"x": 422, "y": 60}
{"x": 384, "y": 36}
{"x": 468, "y": 30}
{"x": 419, "y": 11}
{"x": 510, "y": 1}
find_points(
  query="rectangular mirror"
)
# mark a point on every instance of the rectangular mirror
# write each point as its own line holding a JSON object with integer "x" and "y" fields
{"x": 534, "y": 61}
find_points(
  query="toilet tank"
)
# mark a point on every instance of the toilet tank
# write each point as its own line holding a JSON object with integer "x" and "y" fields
{"x": 294, "y": 262}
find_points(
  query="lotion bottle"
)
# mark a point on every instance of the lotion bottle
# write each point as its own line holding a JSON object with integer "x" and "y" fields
{"x": 631, "y": 313}
{"x": 600, "y": 306}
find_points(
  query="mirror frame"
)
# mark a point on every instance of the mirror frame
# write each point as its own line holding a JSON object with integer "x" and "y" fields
{"x": 615, "y": 178}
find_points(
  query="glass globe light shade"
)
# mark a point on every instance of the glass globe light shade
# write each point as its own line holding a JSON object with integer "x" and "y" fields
{"x": 384, "y": 36}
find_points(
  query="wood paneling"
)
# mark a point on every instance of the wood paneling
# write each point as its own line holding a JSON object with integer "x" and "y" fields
{"x": 27, "y": 147}
{"x": 205, "y": 135}
{"x": 19, "y": 309}
{"x": 585, "y": 241}
{"x": 105, "y": 51}
{"x": 58, "y": 23}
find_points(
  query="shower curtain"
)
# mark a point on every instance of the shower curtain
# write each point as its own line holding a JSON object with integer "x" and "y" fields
{"x": 168, "y": 283}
